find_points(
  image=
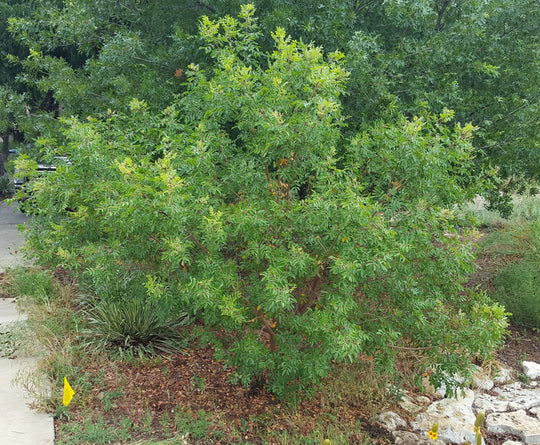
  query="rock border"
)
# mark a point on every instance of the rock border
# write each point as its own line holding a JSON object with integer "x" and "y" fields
{"x": 512, "y": 411}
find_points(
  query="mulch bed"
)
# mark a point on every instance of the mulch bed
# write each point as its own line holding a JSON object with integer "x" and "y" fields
{"x": 190, "y": 383}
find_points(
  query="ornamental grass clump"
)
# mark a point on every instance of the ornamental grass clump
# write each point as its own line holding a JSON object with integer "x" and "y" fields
{"x": 244, "y": 204}
{"x": 134, "y": 325}
{"x": 6, "y": 186}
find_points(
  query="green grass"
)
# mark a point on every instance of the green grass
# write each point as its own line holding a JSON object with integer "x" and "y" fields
{"x": 96, "y": 432}
{"x": 182, "y": 440}
{"x": 526, "y": 208}
{"x": 518, "y": 289}
{"x": 32, "y": 286}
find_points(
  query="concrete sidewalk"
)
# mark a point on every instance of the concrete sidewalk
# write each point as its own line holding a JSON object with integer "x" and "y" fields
{"x": 19, "y": 424}
{"x": 10, "y": 237}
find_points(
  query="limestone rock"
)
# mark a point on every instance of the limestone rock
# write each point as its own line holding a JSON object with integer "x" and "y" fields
{"x": 422, "y": 400}
{"x": 518, "y": 397}
{"x": 457, "y": 381}
{"x": 482, "y": 381}
{"x": 512, "y": 442}
{"x": 503, "y": 375}
{"x": 516, "y": 422}
{"x": 454, "y": 416}
{"x": 531, "y": 370}
{"x": 407, "y": 403}
{"x": 408, "y": 438}
{"x": 430, "y": 389}
{"x": 490, "y": 404}
{"x": 391, "y": 421}
{"x": 535, "y": 411}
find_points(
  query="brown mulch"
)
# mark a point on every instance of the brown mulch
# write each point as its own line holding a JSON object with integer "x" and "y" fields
{"x": 193, "y": 383}
{"x": 521, "y": 344}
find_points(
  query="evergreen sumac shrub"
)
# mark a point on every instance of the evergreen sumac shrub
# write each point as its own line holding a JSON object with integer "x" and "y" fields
{"x": 243, "y": 203}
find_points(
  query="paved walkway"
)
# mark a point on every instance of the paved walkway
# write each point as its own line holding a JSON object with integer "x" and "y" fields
{"x": 10, "y": 237}
{"x": 19, "y": 424}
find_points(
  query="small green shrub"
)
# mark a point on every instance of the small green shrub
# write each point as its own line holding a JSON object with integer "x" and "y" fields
{"x": 518, "y": 289}
{"x": 195, "y": 424}
{"x": 296, "y": 247}
{"x": 518, "y": 284}
{"x": 134, "y": 324}
{"x": 8, "y": 344}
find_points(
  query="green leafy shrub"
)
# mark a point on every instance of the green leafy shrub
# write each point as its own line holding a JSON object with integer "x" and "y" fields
{"x": 244, "y": 203}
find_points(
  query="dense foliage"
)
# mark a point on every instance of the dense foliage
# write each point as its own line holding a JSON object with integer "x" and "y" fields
{"x": 244, "y": 203}
{"x": 479, "y": 58}
{"x": 21, "y": 106}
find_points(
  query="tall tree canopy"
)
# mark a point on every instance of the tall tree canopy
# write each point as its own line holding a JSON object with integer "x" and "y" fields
{"x": 12, "y": 96}
{"x": 479, "y": 58}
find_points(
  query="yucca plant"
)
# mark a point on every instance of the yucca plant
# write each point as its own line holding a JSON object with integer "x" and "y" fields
{"x": 135, "y": 324}
{"x": 6, "y": 186}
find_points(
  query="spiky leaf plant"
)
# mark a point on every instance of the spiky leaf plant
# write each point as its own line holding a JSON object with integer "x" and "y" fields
{"x": 134, "y": 324}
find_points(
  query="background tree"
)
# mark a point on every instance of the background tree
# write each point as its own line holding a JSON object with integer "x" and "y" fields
{"x": 12, "y": 111}
{"x": 25, "y": 112}
{"x": 99, "y": 55}
{"x": 478, "y": 58}
{"x": 12, "y": 98}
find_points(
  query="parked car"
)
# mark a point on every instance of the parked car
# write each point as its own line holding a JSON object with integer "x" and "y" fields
{"x": 26, "y": 202}
{"x": 42, "y": 168}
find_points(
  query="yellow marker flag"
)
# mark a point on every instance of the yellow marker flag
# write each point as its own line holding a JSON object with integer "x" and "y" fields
{"x": 68, "y": 392}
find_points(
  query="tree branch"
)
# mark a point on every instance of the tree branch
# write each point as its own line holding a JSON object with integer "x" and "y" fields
{"x": 357, "y": 8}
{"x": 205, "y": 6}
{"x": 439, "y": 26}
{"x": 196, "y": 241}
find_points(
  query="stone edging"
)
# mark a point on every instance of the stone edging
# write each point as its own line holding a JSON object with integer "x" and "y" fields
{"x": 512, "y": 410}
